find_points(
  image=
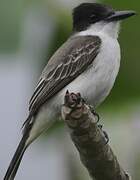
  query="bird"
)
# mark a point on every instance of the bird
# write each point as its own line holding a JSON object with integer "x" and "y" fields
{"x": 88, "y": 62}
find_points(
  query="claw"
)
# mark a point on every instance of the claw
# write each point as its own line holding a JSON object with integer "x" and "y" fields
{"x": 66, "y": 97}
{"x": 106, "y": 136}
{"x": 100, "y": 126}
{"x": 67, "y": 92}
{"x": 105, "y": 133}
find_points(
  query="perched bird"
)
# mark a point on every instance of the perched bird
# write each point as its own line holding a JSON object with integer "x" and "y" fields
{"x": 88, "y": 62}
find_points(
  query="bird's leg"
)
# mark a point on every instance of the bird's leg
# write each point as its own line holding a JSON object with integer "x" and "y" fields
{"x": 105, "y": 133}
{"x": 94, "y": 113}
{"x": 76, "y": 99}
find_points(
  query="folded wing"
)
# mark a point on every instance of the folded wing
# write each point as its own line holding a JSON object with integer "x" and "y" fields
{"x": 74, "y": 57}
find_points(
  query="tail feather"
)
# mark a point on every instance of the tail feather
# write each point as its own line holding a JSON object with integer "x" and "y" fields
{"x": 15, "y": 162}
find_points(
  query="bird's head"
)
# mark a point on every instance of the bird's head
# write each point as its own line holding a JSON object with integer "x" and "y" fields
{"x": 87, "y": 14}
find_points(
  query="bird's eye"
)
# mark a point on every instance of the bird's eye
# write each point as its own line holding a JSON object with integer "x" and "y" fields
{"x": 92, "y": 16}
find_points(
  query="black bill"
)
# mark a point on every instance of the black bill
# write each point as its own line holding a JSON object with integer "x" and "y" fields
{"x": 120, "y": 15}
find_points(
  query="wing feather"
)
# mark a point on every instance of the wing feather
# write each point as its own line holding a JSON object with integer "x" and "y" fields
{"x": 56, "y": 76}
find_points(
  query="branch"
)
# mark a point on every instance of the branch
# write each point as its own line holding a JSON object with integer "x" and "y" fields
{"x": 90, "y": 140}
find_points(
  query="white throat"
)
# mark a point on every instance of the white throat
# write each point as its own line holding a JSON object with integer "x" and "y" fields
{"x": 111, "y": 29}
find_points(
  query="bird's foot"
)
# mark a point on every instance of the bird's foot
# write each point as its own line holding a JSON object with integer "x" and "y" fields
{"x": 74, "y": 100}
{"x": 105, "y": 133}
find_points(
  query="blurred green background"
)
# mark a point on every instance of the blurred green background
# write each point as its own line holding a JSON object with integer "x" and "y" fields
{"x": 30, "y": 31}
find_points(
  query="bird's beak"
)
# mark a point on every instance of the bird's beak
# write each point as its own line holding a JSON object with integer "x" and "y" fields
{"x": 120, "y": 15}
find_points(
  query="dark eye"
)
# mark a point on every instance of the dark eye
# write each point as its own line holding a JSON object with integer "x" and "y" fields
{"x": 92, "y": 16}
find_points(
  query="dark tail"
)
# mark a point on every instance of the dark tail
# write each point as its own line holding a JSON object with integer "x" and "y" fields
{"x": 15, "y": 162}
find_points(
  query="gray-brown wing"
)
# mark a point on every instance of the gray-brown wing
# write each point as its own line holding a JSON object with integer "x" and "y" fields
{"x": 74, "y": 57}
